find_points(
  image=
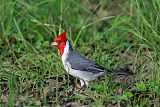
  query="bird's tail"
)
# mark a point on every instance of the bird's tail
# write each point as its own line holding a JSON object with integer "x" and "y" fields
{"x": 120, "y": 71}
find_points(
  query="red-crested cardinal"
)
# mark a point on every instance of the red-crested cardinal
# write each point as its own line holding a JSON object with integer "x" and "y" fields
{"x": 77, "y": 65}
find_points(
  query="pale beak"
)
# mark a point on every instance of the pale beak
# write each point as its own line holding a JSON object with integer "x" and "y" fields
{"x": 53, "y": 43}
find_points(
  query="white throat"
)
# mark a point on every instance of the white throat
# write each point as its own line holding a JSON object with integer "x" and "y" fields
{"x": 66, "y": 49}
{"x": 65, "y": 54}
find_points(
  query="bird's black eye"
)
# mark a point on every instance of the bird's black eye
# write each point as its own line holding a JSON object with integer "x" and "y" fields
{"x": 60, "y": 41}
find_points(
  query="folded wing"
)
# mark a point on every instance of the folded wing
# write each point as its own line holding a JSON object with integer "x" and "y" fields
{"x": 79, "y": 62}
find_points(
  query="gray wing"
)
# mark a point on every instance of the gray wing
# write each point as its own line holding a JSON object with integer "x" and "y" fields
{"x": 79, "y": 62}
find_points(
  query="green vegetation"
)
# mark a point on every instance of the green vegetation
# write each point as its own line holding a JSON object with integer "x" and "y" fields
{"x": 114, "y": 33}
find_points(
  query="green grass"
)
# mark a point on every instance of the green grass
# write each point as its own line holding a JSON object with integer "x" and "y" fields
{"x": 112, "y": 33}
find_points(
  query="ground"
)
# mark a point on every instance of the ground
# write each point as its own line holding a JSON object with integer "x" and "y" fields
{"x": 113, "y": 33}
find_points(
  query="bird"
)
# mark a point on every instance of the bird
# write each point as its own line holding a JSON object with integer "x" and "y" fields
{"x": 77, "y": 65}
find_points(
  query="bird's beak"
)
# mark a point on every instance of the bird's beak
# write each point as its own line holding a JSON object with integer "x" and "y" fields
{"x": 53, "y": 43}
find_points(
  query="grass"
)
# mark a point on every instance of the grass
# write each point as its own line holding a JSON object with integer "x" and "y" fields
{"x": 112, "y": 33}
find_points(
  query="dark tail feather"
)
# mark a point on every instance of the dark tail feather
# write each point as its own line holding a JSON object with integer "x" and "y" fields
{"x": 120, "y": 71}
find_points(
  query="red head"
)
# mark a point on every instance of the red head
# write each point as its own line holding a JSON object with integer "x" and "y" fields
{"x": 60, "y": 42}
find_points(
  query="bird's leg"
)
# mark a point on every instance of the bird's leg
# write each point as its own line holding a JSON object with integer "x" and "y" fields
{"x": 84, "y": 84}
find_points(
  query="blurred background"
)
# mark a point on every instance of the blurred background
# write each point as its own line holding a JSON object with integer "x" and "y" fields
{"x": 114, "y": 33}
